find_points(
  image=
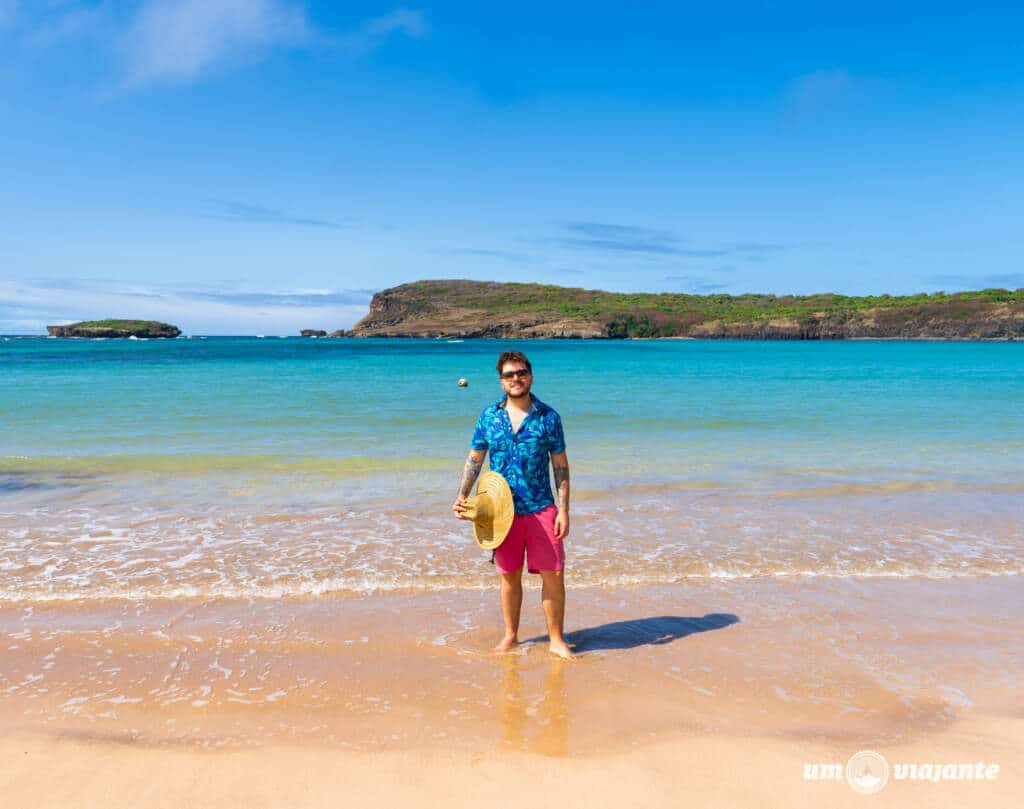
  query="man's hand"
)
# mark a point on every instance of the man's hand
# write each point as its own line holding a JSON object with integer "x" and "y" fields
{"x": 459, "y": 507}
{"x": 561, "y": 525}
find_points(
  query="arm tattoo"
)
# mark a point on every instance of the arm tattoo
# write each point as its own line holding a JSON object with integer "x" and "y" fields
{"x": 469, "y": 475}
{"x": 562, "y": 485}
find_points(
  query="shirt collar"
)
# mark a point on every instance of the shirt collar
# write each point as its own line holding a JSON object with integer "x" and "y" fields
{"x": 535, "y": 403}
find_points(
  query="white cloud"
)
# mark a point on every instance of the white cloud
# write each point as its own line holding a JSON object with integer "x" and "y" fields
{"x": 28, "y": 307}
{"x": 819, "y": 90}
{"x": 171, "y": 41}
{"x": 178, "y": 40}
{"x": 405, "y": 20}
{"x": 372, "y": 33}
{"x": 181, "y": 41}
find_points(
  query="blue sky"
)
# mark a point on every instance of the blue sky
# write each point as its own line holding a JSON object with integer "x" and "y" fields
{"x": 261, "y": 166}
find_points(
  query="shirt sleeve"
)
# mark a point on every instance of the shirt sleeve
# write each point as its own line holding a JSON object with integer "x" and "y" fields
{"x": 556, "y": 440}
{"x": 479, "y": 440}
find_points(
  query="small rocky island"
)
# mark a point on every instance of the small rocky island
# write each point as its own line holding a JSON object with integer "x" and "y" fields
{"x": 313, "y": 333}
{"x": 115, "y": 328}
{"x": 457, "y": 308}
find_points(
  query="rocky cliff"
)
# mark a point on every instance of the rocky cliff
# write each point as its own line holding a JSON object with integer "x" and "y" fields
{"x": 508, "y": 310}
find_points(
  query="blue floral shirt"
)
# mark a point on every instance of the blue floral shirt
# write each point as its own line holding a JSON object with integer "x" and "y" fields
{"x": 522, "y": 457}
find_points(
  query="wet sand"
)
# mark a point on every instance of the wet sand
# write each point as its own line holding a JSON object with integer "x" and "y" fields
{"x": 717, "y": 693}
{"x": 727, "y": 771}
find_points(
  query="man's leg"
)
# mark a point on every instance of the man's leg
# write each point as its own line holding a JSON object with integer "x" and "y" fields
{"x": 511, "y": 606}
{"x": 553, "y": 599}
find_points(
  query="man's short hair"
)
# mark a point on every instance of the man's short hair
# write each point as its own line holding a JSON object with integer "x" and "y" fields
{"x": 513, "y": 356}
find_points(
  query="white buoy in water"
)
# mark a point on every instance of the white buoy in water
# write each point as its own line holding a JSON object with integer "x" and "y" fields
{"x": 463, "y": 383}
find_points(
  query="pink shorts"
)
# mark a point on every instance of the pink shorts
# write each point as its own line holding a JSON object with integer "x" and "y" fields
{"x": 533, "y": 534}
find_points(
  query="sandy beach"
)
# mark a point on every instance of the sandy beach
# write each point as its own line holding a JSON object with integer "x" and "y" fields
{"x": 720, "y": 693}
{"x": 714, "y": 771}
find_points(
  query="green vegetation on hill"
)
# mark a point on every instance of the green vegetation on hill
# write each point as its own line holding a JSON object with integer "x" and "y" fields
{"x": 127, "y": 325}
{"x": 669, "y": 314}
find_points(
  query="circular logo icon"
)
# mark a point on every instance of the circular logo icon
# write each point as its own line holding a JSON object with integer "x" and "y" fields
{"x": 867, "y": 772}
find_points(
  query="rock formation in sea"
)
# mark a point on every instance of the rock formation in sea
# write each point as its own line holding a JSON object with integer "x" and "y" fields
{"x": 115, "y": 328}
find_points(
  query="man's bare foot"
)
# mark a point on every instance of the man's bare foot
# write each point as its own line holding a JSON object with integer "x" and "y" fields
{"x": 506, "y": 644}
{"x": 561, "y": 649}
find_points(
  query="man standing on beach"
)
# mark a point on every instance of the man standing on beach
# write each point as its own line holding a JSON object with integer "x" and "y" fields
{"x": 521, "y": 433}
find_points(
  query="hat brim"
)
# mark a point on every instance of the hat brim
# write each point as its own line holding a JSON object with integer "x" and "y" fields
{"x": 489, "y": 534}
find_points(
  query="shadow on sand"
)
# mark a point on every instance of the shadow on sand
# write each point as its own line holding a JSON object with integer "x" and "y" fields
{"x": 641, "y": 632}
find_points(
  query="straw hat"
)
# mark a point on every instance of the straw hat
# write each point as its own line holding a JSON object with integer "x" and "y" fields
{"x": 491, "y": 510}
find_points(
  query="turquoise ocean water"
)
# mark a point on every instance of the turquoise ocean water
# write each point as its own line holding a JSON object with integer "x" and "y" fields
{"x": 290, "y": 466}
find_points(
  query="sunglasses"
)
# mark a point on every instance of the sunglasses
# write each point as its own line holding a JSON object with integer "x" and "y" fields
{"x": 520, "y": 372}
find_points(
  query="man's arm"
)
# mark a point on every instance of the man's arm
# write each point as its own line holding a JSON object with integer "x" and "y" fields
{"x": 470, "y": 472}
{"x": 560, "y": 469}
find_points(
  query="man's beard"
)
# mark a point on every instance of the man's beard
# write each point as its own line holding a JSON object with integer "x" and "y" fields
{"x": 518, "y": 392}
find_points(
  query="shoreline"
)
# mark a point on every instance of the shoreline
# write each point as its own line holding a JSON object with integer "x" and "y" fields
{"x": 1010, "y": 339}
{"x": 388, "y": 698}
{"x": 866, "y": 661}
